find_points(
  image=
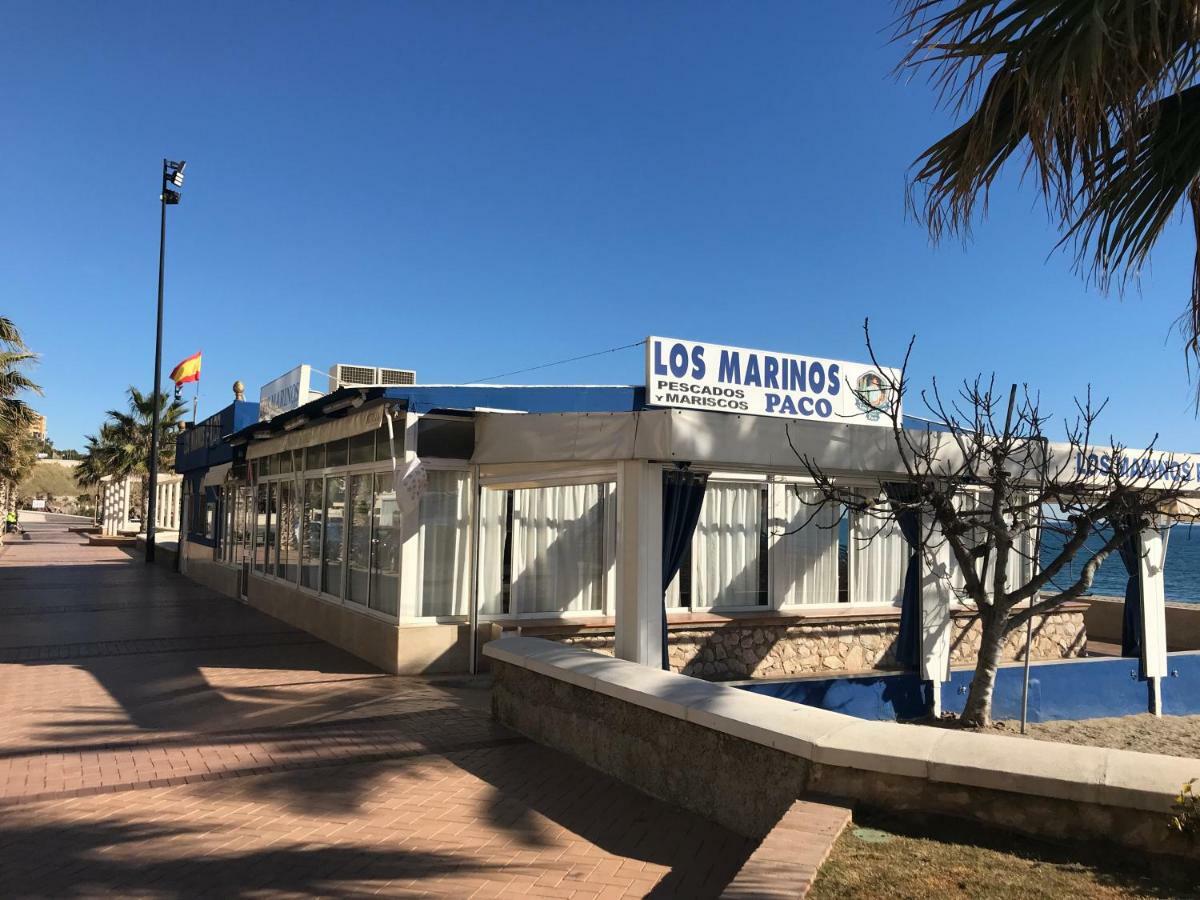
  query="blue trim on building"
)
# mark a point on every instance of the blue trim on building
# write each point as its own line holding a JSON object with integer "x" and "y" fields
{"x": 521, "y": 398}
{"x": 203, "y": 446}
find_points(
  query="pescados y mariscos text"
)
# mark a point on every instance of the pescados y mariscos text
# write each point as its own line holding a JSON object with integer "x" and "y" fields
{"x": 736, "y": 369}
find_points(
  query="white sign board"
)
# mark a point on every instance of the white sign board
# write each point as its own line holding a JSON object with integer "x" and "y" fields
{"x": 716, "y": 378}
{"x": 1136, "y": 468}
{"x": 287, "y": 392}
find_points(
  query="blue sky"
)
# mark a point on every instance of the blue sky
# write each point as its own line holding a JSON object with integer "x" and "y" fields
{"x": 470, "y": 188}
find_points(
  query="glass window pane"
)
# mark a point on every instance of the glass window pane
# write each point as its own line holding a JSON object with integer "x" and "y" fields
{"x": 335, "y": 453}
{"x": 362, "y": 448}
{"x": 444, "y": 543}
{"x": 385, "y": 546}
{"x": 314, "y": 457}
{"x": 260, "y": 527}
{"x": 283, "y": 463}
{"x": 239, "y": 525}
{"x": 310, "y": 536}
{"x": 248, "y": 514}
{"x": 726, "y": 546}
{"x": 272, "y": 517}
{"x": 806, "y": 554}
{"x": 446, "y": 438}
{"x": 285, "y": 567}
{"x": 263, "y": 466}
{"x": 558, "y": 547}
{"x": 331, "y": 549}
{"x": 384, "y": 443}
{"x": 359, "y": 545}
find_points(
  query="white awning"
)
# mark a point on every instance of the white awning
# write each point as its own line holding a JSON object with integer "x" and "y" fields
{"x": 347, "y": 426}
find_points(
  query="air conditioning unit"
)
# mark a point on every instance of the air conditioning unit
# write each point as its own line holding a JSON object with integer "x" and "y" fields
{"x": 342, "y": 375}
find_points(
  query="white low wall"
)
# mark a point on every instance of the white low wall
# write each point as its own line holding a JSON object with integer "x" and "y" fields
{"x": 928, "y": 767}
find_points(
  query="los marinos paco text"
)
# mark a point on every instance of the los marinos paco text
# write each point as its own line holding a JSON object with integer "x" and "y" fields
{"x": 717, "y": 378}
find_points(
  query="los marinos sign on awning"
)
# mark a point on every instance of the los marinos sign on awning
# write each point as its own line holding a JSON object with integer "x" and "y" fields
{"x": 716, "y": 378}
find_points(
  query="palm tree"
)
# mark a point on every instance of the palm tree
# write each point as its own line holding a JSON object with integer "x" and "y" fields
{"x": 1097, "y": 99}
{"x": 17, "y": 445}
{"x": 122, "y": 447}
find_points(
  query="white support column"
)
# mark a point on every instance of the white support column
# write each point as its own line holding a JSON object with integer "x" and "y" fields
{"x": 104, "y": 504}
{"x": 1154, "y": 615}
{"x": 409, "y": 603}
{"x": 639, "y": 563}
{"x": 126, "y": 495}
{"x": 936, "y": 623}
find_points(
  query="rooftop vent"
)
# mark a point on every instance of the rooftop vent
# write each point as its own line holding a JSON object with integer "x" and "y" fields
{"x": 341, "y": 376}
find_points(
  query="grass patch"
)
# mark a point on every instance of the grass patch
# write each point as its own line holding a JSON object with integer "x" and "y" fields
{"x": 888, "y": 856}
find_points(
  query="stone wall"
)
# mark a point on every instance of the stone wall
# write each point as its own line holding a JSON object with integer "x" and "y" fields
{"x": 764, "y": 649}
{"x": 740, "y": 758}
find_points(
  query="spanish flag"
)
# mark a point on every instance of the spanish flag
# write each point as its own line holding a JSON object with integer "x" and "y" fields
{"x": 188, "y": 370}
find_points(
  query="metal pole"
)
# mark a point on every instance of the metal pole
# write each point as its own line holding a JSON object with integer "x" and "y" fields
{"x": 1037, "y": 562}
{"x": 151, "y": 505}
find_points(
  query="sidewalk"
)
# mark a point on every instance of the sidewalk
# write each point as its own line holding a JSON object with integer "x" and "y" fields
{"x": 162, "y": 740}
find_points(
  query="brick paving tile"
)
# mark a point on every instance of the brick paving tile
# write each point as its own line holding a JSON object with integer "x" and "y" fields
{"x": 160, "y": 740}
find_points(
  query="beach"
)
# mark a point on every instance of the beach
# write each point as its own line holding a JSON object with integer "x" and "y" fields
{"x": 1169, "y": 735}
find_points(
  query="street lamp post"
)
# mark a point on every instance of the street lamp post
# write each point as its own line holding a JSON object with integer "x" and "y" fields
{"x": 172, "y": 173}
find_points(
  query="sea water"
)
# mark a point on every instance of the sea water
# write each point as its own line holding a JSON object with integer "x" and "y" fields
{"x": 1181, "y": 577}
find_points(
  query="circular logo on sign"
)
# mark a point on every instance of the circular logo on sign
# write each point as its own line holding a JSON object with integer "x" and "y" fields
{"x": 872, "y": 395}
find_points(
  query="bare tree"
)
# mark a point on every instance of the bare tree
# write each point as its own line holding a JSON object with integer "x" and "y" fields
{"x": 977, "y": 477}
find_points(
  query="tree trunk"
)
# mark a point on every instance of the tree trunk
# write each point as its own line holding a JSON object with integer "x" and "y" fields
{"x": 978, "y": 711}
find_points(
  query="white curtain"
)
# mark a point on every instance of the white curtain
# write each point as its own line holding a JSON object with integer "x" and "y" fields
{"x": 805, "y": 559}
{"x": 879, "y": 560}
{"x": 444, "y": 544}
{"x": 560, "y": 547}
{"x": 725, "y": 547}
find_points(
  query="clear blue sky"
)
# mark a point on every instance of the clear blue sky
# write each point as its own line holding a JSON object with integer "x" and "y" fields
{"x": 469, "y": 188}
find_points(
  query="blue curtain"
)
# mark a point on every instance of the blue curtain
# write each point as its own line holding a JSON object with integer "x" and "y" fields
{"x": 908, "y": 641}
{"x": 683, "y": 495}
{"x": 1131, "y": 624}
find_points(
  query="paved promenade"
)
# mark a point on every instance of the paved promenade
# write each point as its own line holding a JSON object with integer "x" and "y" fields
{"x": 159, "y": 740}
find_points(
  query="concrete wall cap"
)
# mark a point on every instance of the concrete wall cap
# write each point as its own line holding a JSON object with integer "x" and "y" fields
{"x": 885, "y": 747}
{"x": 757, "y": 718}
{"x": 1138, "y": 779}
{"x": 1005, "y": 763}
{"x": 1044, "y": 768}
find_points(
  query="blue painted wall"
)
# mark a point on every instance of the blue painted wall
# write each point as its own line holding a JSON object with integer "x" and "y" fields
{"x": 204, "y": 446}
{"x": 1072, "y": 689}
{"x": 1181, "y": 688}
{"x": 879, "y": 697}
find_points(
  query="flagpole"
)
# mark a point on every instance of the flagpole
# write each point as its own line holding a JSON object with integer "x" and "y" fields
{"x": 195, "y": 401}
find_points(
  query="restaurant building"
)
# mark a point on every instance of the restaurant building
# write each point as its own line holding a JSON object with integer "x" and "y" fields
{"x": 410, "y": 524}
